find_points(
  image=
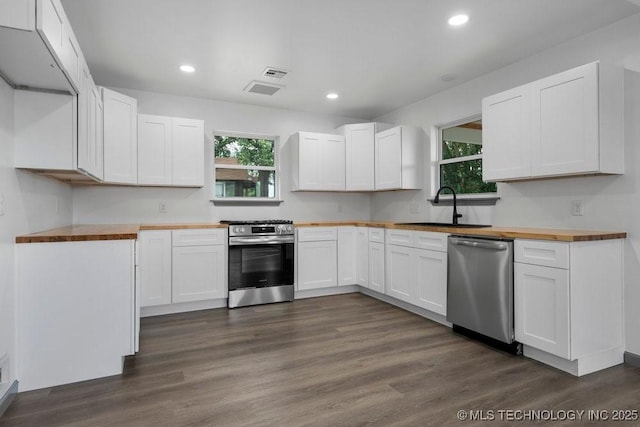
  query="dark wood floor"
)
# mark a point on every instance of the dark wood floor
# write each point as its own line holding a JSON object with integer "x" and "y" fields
{"x": 344, "y": 360}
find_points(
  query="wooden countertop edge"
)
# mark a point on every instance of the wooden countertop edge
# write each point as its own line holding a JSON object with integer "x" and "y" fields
{"x": 78, "y": 233}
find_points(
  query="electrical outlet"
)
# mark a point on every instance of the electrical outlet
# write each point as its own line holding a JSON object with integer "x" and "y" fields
{"x": 414, "y": 208}
{"x": 339, "y": 207}
{"x": 162, "y": 207}
{"x": 577, "y": 208}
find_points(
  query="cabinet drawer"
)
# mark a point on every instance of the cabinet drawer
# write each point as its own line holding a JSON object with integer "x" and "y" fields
{"x": 376, "y": 235}
{"x": 536, "y": 252}
{"x": 430, "y": 240}
{"x": 199, "y": 237}
{"x": 316, "y": 234}
{"x": 400, "y": 237}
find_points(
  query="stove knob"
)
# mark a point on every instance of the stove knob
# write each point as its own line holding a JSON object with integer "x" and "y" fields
{"x": 289, "y": 228}
{"x": 242, "y": 230}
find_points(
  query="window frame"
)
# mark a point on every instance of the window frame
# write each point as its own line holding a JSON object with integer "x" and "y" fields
{"x": 275, "y": 168}
{"x": 437, "y": 161}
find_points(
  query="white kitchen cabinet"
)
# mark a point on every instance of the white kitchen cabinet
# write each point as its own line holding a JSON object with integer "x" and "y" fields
{"x": 19, "y": 14}
{"x": 360, "y": 154}
{"x": 187, "y": 152}
{"x": 317, "y": 252}
{"x": 416, "y": 268}
{"x": 347, "y": 256}
{"x": 181, "y": 266}
{"x": 398, "y": 159}
{"x": 76, "y": 310}
{"x": 506, "y": 135}
{"x": 542, "y": 307}
{"x": 120, "y": 137}
{"x": 198, "y": 273}
{"x": 400, "y": 264}
{"x": 155, "y": 147}
{"x": 362, "y": 256}
{"x": 45, "y": 126}
{"x": 90, "y": 130}
{"x": 56, "y": 32}
{"x": 376, "y": 267}
{"x": 570, "y": 123}
{"x": 568, "y": 303}
{"x": 318, "y": 162}
{"x": 155, "y": 267}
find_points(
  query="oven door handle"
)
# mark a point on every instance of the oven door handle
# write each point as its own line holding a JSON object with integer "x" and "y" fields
{"x": 260, "y": 240}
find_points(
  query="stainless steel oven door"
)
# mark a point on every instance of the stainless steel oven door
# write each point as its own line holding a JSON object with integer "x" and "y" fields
{"x": 260, "y": 261}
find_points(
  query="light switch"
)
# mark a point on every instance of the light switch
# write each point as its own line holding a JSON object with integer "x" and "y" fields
{"x": 162, "y": 207}
{"x": 577, "y": 208}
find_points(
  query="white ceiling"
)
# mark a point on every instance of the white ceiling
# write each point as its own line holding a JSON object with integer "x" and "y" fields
{"x": 377, "y": 54}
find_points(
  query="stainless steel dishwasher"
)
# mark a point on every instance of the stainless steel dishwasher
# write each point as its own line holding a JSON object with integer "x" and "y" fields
{"x": 480, "y": 289}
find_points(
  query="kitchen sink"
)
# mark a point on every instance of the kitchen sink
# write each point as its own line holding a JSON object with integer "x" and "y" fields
{"x": 445, "y": 224}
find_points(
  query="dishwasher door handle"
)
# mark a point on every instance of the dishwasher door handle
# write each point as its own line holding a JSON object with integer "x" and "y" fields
{"x": 496, "y": 246}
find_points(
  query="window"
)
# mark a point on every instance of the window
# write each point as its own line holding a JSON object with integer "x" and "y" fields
{"x": 245, "y": 167}
{"x": 460, "y": 158}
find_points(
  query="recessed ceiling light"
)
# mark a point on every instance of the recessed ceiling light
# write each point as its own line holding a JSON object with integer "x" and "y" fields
{"x": 187, "y": 68}
{"x": 332, "y": 95}
{"x": 458, "y": 20}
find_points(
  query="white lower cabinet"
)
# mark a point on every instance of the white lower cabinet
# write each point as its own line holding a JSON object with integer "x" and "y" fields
{"x": 416, "y": 275}
{"x": 376, "y": 267}
{"x": 76, "y": 310}
{"x": 568, "y": 303}
{"x": 178, "y": 266}
{"x": 362, "y": 256}
{"x": 317, "y": 249}
{"x": 198, "y": 273}
{"x": 347, "y": 258}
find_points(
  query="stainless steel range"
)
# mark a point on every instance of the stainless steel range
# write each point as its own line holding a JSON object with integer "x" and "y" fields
{"x": 260, "y": 262}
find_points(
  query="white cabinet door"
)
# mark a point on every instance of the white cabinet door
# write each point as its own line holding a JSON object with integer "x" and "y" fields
{"x": 20, "y": 14}
{"x": 317, "y": 264}
{"x": 154, "y": 150}
{"x": 319, "y": 162}
{"x": 360, "y": 158}
{"x": 376, "y": 267}
{"x": 399, "y": 272}
{"x": 50, "y": 24}
{"x": 120, "y": 138}
{"x": 155, "y": 267}
{"x": 362, "y": 256}
{"x": 333, "y": 163}
{"x": 565, "y": 123}
{"x": 188, "y": 152}
{"x": 347, "y": 258}
{"x": 506, "y": 135}
{"x": 541, "y": 307}
{"x": 431, "y": 281}
{"x": 388, "y": 159}
{"x": 198, "y": 273}
{"x": 310, "y": 168}
{"x": 90, "y": 139}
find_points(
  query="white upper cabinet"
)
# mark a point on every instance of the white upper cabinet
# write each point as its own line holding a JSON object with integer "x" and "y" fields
{"x": 19, "y": 14}
{"x": 398, "y": 159}
{"x": 187, "y": 152}
{"x": 90, "y": 117}
{"x": 170, "y": 151}
{"x": 505, "y": 123}
{"x": 154, "y": 150}
{"x": 120, "y": 138}
{"x": 570, "y": 123}
{"x": 360, "y": 154}
{"x": 318, "y": 161}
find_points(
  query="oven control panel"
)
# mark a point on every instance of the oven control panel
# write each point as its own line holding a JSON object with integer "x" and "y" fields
{"x": 261, "y": 229}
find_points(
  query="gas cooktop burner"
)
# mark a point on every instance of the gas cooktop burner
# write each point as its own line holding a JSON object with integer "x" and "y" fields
{"x": 250, "y": 222}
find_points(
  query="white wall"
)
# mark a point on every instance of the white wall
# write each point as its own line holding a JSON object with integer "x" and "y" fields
{"x": 29, "y": 205}
{"x": 610, "y": 202}
{"x": 130, "y": 204}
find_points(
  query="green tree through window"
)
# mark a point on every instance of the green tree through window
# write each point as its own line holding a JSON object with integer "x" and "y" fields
{"x": 460, "y": 164}
{"x": 244, "y": 167}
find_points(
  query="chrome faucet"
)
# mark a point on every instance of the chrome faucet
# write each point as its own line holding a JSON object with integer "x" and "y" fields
{"x": 436, "y": 200}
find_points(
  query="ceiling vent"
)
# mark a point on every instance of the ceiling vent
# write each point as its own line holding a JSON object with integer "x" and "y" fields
{"x": 262, "y": 88}
{"x": 275, "y": 73}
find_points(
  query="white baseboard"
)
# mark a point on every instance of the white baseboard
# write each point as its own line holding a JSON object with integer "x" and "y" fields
{"x": 438, "y": 318}
{"x": 583, "y": 366}
{"x": 183, "y": 307}
{"x": 7, "y": 397}
{"x": 323, "y": 292}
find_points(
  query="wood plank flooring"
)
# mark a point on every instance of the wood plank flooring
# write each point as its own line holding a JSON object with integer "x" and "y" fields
{"x": 346, "y": 360}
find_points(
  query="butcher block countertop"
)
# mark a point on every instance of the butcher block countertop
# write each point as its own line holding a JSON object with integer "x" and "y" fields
{"x": 77, "y": 233}
{"x": 557, "y": 234}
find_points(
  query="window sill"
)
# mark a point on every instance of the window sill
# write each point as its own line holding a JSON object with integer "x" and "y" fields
{"x": 466, "y": 201}
{"x": 246, "y": 201}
